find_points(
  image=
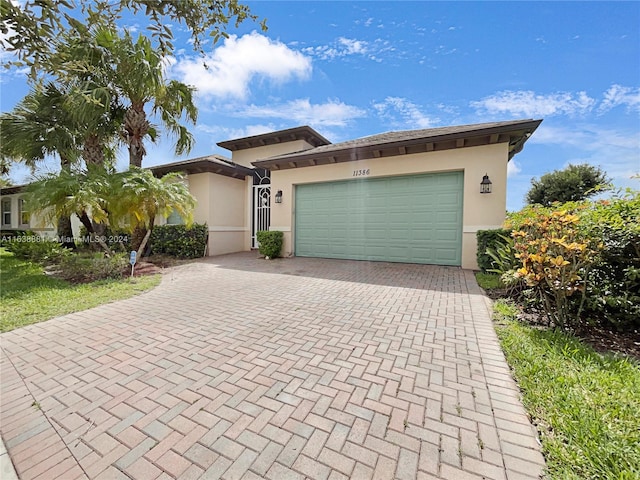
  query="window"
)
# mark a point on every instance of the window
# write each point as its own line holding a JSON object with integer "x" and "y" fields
{"x": 6, "y": 212}
{"x": 23, "y": 213}
{"x": 175, "y": 219}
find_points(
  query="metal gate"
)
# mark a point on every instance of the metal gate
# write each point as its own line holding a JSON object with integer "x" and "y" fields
{"x": 261, "y": 209}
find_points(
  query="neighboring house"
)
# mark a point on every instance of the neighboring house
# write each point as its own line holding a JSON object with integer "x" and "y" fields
{"x": 410, "y": 196}
{"x": 14, "y": 214}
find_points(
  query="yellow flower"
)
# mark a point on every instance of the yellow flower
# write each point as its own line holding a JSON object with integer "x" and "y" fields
{"x": 534, "y": 257}
{"x": 559, "y": 261}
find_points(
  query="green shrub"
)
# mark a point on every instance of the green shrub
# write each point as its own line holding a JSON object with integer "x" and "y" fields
{"x": 8, "y": 235}
{"x": 613, "y": 290}
{"x": 489, "y": 239}
{"x": 489, "y": 281}
{"x": 36, "y": 249}
{"x": 270, "y": 243}
{"x": 179, "y": 241}
{"x": 88, "y": 267}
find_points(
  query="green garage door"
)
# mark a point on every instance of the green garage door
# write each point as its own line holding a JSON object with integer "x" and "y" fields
{"x": 413, "y": 219}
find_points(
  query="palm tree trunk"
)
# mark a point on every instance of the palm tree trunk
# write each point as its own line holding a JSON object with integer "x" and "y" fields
{"x": 88, "y": 224}
{"x": 143, "y": 244}
{"x": 136, "y": 127}
{"x": 138, "y": 238}
{"x": 93, "y": 154}
{"x": 65, "y": 230}
{"x": 65, "y": 233}
{"x": 93, "y": 150}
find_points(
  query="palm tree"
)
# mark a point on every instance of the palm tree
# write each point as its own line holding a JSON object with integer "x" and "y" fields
{"x": 135, "y": 72}
{"x": 75, "y": 120}
{"x": 102, "y": 69}
{"x": 41, "y": 125}
{"x": 143, "y": 197}
{"x": 86, "y": 195}
{"x": 98, "y": 195}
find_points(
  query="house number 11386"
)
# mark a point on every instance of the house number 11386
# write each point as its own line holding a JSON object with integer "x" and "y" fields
{"x": 361, "y": 173}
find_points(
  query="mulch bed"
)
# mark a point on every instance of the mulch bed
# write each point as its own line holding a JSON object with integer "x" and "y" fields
{"x": 603, "y": 339}
{"x": 145, "y": 268}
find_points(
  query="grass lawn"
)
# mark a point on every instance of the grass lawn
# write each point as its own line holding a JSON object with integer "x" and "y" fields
{"x": 586, "y": 405}
{"x": 489, "y": 281}
{"x": 29, "y": 296}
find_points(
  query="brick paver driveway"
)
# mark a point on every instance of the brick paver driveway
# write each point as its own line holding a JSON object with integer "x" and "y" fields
{"x": 242, "y": 368}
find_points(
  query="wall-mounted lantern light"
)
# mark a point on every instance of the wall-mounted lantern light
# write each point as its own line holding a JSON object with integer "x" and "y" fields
{"x": 485, "y": 185}
{"x": 279, "y": 196}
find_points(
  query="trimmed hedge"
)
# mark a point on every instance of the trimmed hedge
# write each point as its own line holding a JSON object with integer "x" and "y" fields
{"x": 179, "y": 241}
{"x": 270, "y": 243}
{"x": 489, "y": 239}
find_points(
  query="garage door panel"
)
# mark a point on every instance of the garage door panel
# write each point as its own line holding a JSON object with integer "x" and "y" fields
{"x": 447, "y": 198}
{"x": 446, "y": 235}
{"x": 446, "y": 257}
{"x": 400, "y": 219}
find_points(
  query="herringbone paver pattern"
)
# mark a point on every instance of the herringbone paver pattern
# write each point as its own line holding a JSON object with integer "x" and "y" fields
{"x": 241, "y": 368}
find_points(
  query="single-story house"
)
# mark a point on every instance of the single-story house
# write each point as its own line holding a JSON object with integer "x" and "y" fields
{"x": 415, "y": 196}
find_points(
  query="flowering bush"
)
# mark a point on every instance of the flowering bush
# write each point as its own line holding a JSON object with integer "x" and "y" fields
{"x": 556, "y": 257}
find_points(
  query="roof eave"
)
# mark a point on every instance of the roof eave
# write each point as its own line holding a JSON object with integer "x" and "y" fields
{"x": 13, "y": 189}
{"x": 516, "y": 135}
{"x": 205, "y": 165}
{"x": 305, "y": 133}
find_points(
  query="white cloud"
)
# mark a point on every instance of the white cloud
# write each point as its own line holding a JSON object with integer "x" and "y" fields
{"x": 344, "y": 47}
{"x": 530, "y": 104}
{"x": 352, "y": 46}
{"x": 442, "y": 50}
{"x": 616, "y": 151}
{"x": 302, "y": 111}
{"x": 218, "y": 132}
{"x": 233, "y": 65}
{"x": 513, "y": 168}
{"x": 410, "y": 115}
{"x": 586, "y": 137}
{"x": 618, "y": 95}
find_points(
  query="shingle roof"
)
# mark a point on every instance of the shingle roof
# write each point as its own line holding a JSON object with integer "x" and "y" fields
{"x": 210, "y": 163}
{"x": 515, "y": 132}
{"x": 13, "y": 189}
{"x": 304, "y": 132}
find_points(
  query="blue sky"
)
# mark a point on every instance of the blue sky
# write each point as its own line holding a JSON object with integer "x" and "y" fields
{"x": 352, "y": 69}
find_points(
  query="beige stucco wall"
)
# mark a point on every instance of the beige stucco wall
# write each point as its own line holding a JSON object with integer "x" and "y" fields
{"x": 479, "y": 211}
{"x": 221, "y": 202}
{"x": 245, "y": 157}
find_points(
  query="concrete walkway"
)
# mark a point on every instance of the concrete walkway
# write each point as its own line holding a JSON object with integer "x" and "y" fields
{"x": 236, "y": 367}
